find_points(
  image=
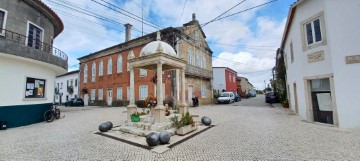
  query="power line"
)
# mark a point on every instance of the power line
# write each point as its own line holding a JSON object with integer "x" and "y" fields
{"x": 182, "y": 12}
{"x": 149, "y": 24}
{"x": 246, "y": 10}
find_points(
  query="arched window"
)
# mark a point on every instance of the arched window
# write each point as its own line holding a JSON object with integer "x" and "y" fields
{"x": 190, "y": 56}
{"x": 101, "y": 68}
{"x": 93, "y": 72}
{"x": 196, "y": 36}
{"x": 109, "y": 66}
{"x": 85, "y": 73}
{"x": 119, "y": 64}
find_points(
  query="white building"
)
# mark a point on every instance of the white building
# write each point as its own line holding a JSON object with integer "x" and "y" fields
{"x": 66, "y": 87}
{"x": 322, "y": 57}
{"x": 29, "y": 62}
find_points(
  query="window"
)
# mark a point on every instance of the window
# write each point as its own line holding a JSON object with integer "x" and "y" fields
{"x": 67, "y": 83}
{"x": 196, "y": 36}
{"x": 128, "y": 93}
{"x": 198, "y": 59}
{"x": 93, "y": 94}
{"x": 100, "y": 94}
{"x": 34, "y": 36}
{"x": 61, "y": 85}
{"x": 3, "y": 15}
{"x": 35, "y": 88}
{"x": 203, "y": 91}
{"x": 93, "y": 72}
{"x": 229, "y": 77}
{"x": 119, "y": 64}
{"x": 291, "y": 52}
{"x": 190, "y": 56}
{"x": 101, "y": 68}
{"x": 85, "y": 73}
{"x": 143, "y": 72}
{"x": 71, "y": 82}
{"x": 119, "y": 93}
{"x": 313, "y": 32}
{"x": 204, "y": 61}
{"x": 234, "y": 78}
{"x": 109, "y": 66}
{"x": 75, "y": 82}
{"x": 143, "y": 92}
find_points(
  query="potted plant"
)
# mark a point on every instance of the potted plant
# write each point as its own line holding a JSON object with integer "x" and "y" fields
{"x": 135, "y": 117}
{"x": 286, "y": 104}
{"x": 185, "y": 125}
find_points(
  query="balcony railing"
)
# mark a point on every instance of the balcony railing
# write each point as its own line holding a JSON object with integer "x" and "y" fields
{"x": 35, "y": 43}
{"x": 197, "y": 71}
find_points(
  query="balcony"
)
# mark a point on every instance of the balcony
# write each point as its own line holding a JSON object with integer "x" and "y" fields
{"x": 192, "y": 70}
{"x": 19, "y": 45}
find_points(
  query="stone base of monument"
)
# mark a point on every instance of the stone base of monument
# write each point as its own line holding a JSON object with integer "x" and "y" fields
{"x": 186, "y": 129}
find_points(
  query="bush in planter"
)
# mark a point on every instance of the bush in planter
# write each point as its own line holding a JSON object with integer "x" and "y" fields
{"x": 135, "y": 117}
{"x": 184, "y": 121}
{"x": 141, "y": 103}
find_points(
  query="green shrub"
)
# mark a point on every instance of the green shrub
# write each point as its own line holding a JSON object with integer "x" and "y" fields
{"x": 141, "y": 103}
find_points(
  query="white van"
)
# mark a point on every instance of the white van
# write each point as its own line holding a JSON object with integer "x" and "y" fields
{"x": 226, "y": 97}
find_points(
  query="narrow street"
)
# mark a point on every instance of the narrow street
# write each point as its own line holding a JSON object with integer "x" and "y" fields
{"x": 246, "y": 130}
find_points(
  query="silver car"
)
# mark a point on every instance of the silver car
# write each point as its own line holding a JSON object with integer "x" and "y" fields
{"x": 226, "y": 97}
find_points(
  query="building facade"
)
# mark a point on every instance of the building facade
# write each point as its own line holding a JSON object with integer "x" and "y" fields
{"x": 29, "y": 61}
{"x": 66, "y": 87}
{"x": 321, "y": 55}
{"x": 224, "y": 79}
{"x": 105, "y": 76}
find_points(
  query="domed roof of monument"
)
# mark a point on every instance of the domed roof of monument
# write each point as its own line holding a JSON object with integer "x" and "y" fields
{"x": 157, "y": 47}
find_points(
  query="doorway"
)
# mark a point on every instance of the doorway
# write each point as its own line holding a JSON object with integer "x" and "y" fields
{"x": 321, "y": 100}
{"x": 190, "y": 94}
{"x": 86, "y": 99}
{"x": 109, "y": 97}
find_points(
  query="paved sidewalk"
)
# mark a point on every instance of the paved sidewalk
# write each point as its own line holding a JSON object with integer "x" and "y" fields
{"x": 243, "y": 132}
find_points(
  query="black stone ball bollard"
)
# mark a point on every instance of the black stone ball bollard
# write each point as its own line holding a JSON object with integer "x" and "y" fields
{"x": 152, "y": 139}
{"x": 104, "y": 127}
{"x": 206, "y": 121}
{"x": 164, "y": 137}
{"x": 110, "y": 124}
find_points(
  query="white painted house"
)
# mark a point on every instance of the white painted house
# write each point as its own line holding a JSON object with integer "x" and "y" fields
{"x": 66, "y": 87}
{"x": 321, "y": 47}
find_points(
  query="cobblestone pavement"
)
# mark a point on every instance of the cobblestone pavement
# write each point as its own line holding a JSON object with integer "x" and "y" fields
{"x": 246, "y": 130}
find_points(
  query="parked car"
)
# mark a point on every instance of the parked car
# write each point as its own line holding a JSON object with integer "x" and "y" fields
{"x": 271, "y": 97}
{"x": 237, "y": 97}
{"x": 226, "y": 97}
{"x": 75, "y": 102}
{"x": 252, "y": 94}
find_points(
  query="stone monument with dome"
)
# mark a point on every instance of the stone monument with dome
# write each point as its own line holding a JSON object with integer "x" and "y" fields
{"x": 158, "y": 56}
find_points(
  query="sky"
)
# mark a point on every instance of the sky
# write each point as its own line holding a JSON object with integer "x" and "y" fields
{"x": 245, "y": 42}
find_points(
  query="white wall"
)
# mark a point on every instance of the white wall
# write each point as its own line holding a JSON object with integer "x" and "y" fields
{"x": 63, "y": 90}
{"x": 13, "y": 73}
{"x": 343, "y": 24}
{"x": 219, "y": 79}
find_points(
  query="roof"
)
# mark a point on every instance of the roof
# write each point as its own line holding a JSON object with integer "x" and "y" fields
{"x": 289, "y": 21}
{"x": 49, "y": 13}
{"x": 68, "y": 73}
{"x": 157, "y": 46}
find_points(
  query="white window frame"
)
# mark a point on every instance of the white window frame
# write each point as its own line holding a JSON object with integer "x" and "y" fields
{"x": 190, "y": 56}
{"x": 85, "y": 73}
{"x": 109, "y": 66}
{"x": 93, "y": 72}
{"x": 93, "y": 91}
{"x": 2, "y": 33}
{"x": 101, "y": 68}
{"x": 100, "y": 94}
{"x": 234, "y": 78}
{"x": 143, "y": 94}
{"x": 198, "y": 59}
{"x": 203, "y": 91}
{"x": 119, "y": 93}
{"x": 119, "y": 64}
{"x": 313, "y": 32}
{"x": 143, "y": 73}
{"x": 27, "y": 32}
{"x": 197, "y": 36}
{"x": 319, "y": 16}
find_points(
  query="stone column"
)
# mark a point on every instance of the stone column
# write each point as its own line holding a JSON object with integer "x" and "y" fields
{"x": 159, "y": 110}
{"x": 177, "y": 86}
{"x": 131, "y": 108}
{"x": 183, "y": 106}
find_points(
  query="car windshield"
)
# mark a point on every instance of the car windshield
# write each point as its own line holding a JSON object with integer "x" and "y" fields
{"x": 224, "y": 95}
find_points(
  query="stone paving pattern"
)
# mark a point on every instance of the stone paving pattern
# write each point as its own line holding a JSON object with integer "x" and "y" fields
{"x": 246, "y": 130}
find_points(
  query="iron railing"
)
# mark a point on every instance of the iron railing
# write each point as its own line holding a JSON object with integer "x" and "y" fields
{"x": 35, "y": 43}
{"x": 197, "y": 71}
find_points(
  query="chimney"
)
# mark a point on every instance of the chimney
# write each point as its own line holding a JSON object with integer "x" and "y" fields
{"x": 127, "y": 32}
{"x": 193, "y": 17}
